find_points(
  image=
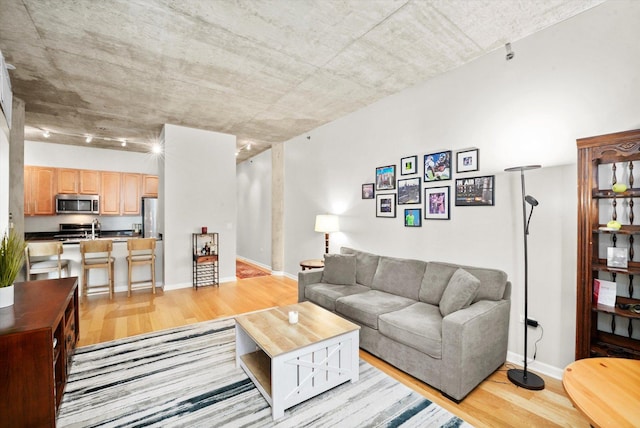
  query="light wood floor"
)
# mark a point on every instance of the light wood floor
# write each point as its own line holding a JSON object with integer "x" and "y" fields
{"x": 494, "y": 403}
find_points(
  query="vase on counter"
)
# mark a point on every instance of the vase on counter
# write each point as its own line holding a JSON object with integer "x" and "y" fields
{"x": 6, "y": 296}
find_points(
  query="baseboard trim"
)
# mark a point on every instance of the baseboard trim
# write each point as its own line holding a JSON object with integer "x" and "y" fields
{"x": 253, "y": 262}
{"x": 535, "y": 366}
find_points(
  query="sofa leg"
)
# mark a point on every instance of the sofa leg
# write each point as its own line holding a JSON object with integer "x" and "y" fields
{"x": 450, "y": 397}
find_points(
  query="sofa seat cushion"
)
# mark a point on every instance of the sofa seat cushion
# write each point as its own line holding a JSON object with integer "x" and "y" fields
{"x": 326, "y": 295}
{"x": 418, "y": 326}
{"x": 365, "y": 308}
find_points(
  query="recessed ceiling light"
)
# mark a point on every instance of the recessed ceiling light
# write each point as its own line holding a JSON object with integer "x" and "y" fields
{"x": 156, "y": 148}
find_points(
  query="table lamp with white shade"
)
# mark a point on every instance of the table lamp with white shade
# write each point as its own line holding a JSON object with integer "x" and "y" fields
{"x": 327, "y": 223}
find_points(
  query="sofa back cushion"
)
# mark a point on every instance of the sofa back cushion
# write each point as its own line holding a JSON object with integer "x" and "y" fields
{"x": 366, "y": 265}
{"x": 438, "y": 274}
{"x": 339, "y": 269}
{"x": 401, "y": 277}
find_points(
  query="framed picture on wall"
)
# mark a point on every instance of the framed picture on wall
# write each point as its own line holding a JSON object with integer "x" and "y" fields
{"x": 409, "y": 165}
{"x": 368, "y": 191}
{"x": 475, "y": 191}
{"x": 386, "y": 205}
{"x": 467, "y": 161}
{"x": 412, "y": 217}
{"x": 409, "y": 191}
{"x": 386, "y": 177}
{"x": 437, "y": 166}
{"x": 436, "y": 203}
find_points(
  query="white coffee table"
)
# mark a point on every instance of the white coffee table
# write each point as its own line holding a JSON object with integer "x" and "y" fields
{"x": 290, "y": 363}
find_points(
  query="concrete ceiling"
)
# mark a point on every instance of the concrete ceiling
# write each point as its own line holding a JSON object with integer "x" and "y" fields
{"x": 263, "y": 70}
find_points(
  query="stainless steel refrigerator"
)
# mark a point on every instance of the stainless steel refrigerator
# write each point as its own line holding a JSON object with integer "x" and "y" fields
{"x": 150, "y": 218}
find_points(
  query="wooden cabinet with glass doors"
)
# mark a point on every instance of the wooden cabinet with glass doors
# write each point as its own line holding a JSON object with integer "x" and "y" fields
{"x": 605, "y": 161}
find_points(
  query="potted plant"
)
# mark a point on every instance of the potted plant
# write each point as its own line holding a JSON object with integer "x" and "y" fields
{"x": 11, "y": 261}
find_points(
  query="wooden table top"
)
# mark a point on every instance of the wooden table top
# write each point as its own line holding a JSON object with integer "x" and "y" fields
{"x": 312, "y": 263}
{"x": 606, "y": 390}
{"x": 271, "y": 330}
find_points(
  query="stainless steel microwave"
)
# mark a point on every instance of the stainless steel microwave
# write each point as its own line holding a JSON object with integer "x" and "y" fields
{"x": 77, "y": 204}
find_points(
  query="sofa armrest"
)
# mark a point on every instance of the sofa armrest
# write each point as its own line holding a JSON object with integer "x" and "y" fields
{"x": 307, "y": 277}
{"x": 474, "y": 345}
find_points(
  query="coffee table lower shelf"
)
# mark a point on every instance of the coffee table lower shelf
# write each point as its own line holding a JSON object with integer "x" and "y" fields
{"x": 258, "y": 367}
{"x": 290, "y": 378}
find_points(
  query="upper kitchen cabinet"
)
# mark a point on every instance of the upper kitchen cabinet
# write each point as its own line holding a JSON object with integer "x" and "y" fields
{"x": 68, "y": 180}
{"x": 81, "y": 181}
{"x": 131, "y": 193}
{"x": 39, "y": 190}
{"x": 89, "y": 182}
{"x": 110, "y": 193}
{"x": 150, "y": 186}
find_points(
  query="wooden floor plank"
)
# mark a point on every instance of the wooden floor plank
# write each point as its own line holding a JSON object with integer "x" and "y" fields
{"x": 496, "y": 402}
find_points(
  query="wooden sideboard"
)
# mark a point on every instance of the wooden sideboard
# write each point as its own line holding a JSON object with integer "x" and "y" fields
{"x": 38, "y": 336}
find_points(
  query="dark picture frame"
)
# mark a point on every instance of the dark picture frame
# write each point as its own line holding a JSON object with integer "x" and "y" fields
{"x": 437, "y": 205}
{"x": 413, "y": 217}
{"x": 409, "y": 165}
{"x": 468, "y": 160}
{"x": 386, "y": 205}
{"x": 368, "y": 191}
{"x": 437, "y": 166}
{"x": 386, "y": 177}
{"x": 475, "y": 191}
{"x": 409, "y": 191}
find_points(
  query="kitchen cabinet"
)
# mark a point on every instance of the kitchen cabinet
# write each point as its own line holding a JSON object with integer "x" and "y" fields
{"x": 89, "y": 182}
{"x": 150, "y": 185}
{"x": 68, "y": 180}
{"x": 130, "y": 193}
{"x": 38, "y": 336}
{"x": 39, "y": 190}
{"x": 110, "y": 193}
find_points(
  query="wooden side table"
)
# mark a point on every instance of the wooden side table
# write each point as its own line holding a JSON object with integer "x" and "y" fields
{"x": 312, "y": 264}
{"x": 605, "y": 390}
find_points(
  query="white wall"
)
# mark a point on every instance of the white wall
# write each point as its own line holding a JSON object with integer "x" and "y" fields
{"x": 4, "y": 180}
{"x": 254, "y": 209}
{"x": 199, "y": 189}
{"x": 576, "y": 79}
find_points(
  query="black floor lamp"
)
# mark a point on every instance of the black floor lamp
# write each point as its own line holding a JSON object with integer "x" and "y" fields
{"x": 522, "y": 377}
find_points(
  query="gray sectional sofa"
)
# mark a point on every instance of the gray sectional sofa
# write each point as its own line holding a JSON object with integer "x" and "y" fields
{"x": 442, "y": 323}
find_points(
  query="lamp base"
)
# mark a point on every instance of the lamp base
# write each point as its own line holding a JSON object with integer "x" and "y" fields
{"x": 526, "y": 380}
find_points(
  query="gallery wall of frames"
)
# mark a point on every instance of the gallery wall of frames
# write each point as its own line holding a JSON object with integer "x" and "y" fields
{"x": 421, "y": 186}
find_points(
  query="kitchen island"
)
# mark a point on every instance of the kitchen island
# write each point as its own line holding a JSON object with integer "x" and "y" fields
{"x": 99, "y": 276}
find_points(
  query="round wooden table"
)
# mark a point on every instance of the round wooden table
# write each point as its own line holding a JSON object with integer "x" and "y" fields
{"x": 605, "y": 390}
{"x": 312, "y": 264}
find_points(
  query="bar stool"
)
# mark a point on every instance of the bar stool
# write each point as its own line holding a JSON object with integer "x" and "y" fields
{"x": 102, "y": 247}
{"x": 38, "y": 258}
{"x": 142, "y": 251}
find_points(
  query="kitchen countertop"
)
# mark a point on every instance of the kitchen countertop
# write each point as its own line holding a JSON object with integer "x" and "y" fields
{"x": 114, "y": 235}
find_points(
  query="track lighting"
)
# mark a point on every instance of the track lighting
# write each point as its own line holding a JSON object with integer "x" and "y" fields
{"x": 46, "y": 134}
{"x": 88, "y": 139}
{"x": 123, "y": 142}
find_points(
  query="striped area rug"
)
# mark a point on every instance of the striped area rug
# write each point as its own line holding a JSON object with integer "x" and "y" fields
{"x": 186, "y": 377}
